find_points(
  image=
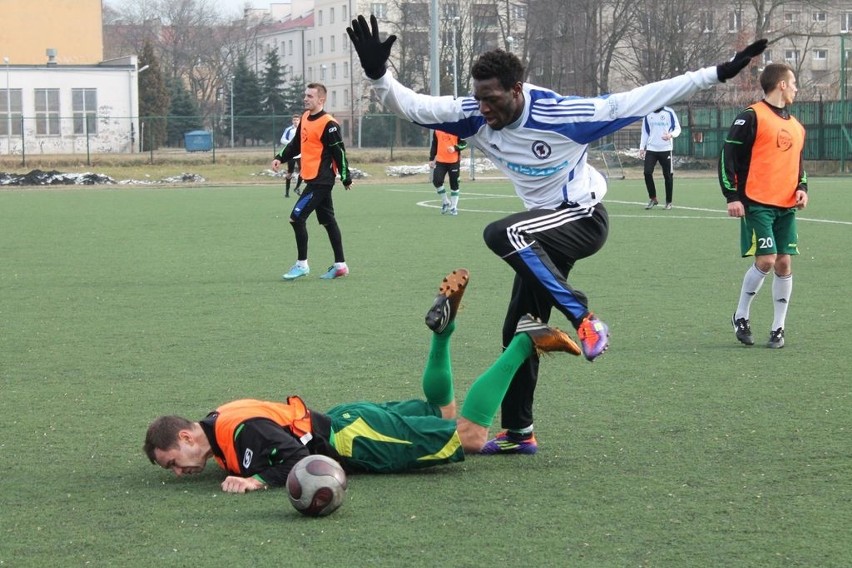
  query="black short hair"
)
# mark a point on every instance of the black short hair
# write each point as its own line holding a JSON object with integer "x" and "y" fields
{"x": 504, "y": 66}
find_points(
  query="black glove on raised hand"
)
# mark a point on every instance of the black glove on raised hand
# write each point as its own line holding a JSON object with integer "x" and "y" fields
{"x": 730, "y": 68}
{"x": 372, "y": 52}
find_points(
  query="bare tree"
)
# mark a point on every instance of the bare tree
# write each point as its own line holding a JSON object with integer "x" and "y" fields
{"x": 193, "y": 42}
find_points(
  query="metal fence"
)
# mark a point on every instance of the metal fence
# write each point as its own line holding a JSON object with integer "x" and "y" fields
{"x": 704, "y": 128}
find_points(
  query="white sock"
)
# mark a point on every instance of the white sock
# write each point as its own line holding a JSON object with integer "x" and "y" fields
{"x": 443, "y": 193}
{"x": 454, "y": 199}
{"x": 340, "y": 265}
{"x": 782, "y": 289}
{"x": 302, "y": 263}
{"x": 752, "y": 282}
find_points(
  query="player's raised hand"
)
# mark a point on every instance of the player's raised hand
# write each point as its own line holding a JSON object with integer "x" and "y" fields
{"x": 741, "y": 58}
{"x": 372, "y": 52}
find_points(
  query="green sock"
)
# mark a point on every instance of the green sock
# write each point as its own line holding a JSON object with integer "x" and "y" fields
{"x": 487, "y": 391}
{"x": 438, "y": 374}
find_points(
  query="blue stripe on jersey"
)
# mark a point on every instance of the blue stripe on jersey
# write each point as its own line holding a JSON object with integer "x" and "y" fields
{"x": 464, "y": 128}
{"x": 564, "y": 298}
{"x": 546, "y": 115}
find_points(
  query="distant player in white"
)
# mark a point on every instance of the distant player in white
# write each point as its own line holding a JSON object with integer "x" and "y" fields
{"x": 288, "y": 135}
{"x": 659, "y": 129}
{"x": 539, "y": 139}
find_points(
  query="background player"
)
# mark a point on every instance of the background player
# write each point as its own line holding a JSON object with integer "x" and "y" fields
{"x": 444, "y": 159}
{"x": 659, "y": 129}
{"x": 763, "y": 179}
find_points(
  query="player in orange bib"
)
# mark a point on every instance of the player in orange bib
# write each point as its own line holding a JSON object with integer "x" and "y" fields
{"x": 445, "y": 159}
{"x": 763, "y": 179}
{"x": 320, "y": 143}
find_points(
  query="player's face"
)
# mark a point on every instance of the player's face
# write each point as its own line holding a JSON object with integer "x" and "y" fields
{"x": 313, "y": 101}
{"x": 296, "y": 121}
{"x": 789, "y": 88}
{"x": 498, "y": 106}
{"x": 186, "y": 458}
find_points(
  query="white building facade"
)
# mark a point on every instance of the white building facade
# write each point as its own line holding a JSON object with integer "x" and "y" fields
{"x": 69, "y": 109}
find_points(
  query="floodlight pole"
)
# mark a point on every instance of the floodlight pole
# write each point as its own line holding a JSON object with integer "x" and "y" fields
{"x": 843, "y": 96}
{"x": 231, "y": 87}
{"x": 455, "y": 58}
{"x": 8, "y": 109}
{"x": 434, "y": 67}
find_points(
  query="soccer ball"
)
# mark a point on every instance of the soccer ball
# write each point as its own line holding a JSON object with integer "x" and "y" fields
{"x": 316, "y": 485}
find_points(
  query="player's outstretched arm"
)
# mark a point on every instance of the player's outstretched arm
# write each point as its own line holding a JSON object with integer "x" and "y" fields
{"x": 372, "y": 52}
{"x": 742, "y": 58}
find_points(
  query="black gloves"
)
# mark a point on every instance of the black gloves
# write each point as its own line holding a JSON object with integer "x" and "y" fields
{"x": 730, "y": 68}
{"x": 373, "y": 53}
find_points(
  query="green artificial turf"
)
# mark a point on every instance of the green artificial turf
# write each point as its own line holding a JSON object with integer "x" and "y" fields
{"x": 679, "y": 447}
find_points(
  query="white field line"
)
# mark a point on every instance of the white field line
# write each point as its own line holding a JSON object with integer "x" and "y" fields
{"x": 718, "y": 213}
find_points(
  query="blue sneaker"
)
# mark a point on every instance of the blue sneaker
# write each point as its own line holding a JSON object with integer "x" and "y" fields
{"x": 296, "y": 271}
{"x": 502, "y": 444}
{"x": 335, "y": 272}
{"x": 594, "y": 337}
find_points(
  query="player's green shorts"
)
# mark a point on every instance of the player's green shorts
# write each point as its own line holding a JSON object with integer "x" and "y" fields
{"x": 394, "y": 436}
{"x": 768, "y": 230}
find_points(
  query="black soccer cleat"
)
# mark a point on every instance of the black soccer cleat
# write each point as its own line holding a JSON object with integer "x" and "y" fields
{"x": 446, "y": 303}
{"x": 776, "y": 339}
{"x": 742, "y": 330}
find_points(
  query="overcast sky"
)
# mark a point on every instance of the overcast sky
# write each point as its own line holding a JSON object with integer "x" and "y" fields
{"x": 232, "y": 7}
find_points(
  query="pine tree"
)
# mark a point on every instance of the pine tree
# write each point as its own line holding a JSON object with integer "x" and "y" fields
{"x": 184, "y": 115}
{"x": 274, "y": 104}
{"x": 294, "y": 95}
{"x": 153, "y": 100}
{"x": 248, "y": 106}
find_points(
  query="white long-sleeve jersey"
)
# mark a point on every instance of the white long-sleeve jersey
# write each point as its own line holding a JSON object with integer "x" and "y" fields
{"x": 544, "y": 152}
{"x": 654, "y": 125}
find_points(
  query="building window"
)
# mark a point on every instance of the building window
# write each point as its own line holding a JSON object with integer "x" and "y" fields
{"x": 450, "y": 10}
{"x": 791, "y": 56}
{"x": 345, "y": 43}
{"x": 85, "y": 109}
{"x": 791, "y": 18}
{"x": 47, "y": 112}
{"x": 484, "y": 15}
{"x": 331, "y": 15}
{"x": 321, "y": 46}
{"x": 379, "y": 10}
{"x": 310, "y": 47}
{"x": 331, "y": 39}
{"x": 767, "y": 57}
{"x": 518, "y": 12}
{"x": 290, "y": 46}
{"x": 334, "y": 99}
{"x": 416, "y": 13}
{"x": 820, "y": 54}
{"x": 333, "y": 71}
{"x": 322, "y": 72}
{"x": 819, "y": 17}
{"x": 346, "y": 97}
{"x": 10, "y": 112}
{"x": 705, "y": 21}
{"x": 767, "y": 22}
{"x": 846, "y": 21}
{"x": 345, "y": 69}
{"x": 319, "y": 18}
{"x": 735, "y": 21}
{"x": 343, "y": 9}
